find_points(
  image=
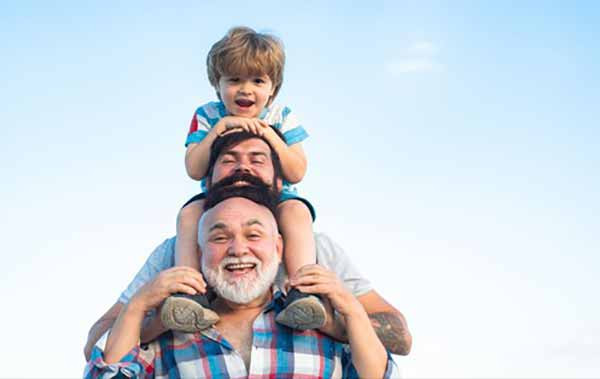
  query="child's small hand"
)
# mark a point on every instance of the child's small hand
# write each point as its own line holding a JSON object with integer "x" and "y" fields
{"x": 251, "y": 125}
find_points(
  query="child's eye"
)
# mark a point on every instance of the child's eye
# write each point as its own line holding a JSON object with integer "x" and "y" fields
{"x": 259, "y": 81}
{"x": 233, "y": 80}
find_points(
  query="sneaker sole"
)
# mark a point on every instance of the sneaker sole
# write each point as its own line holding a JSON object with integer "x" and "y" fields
{"x": 302, "y": 314}
{"x": 185, "y": 315}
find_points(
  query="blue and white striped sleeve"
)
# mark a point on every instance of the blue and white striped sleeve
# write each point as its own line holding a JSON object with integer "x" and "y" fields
{"x": 289, "y": 124}
{"x": 205, "y": 117}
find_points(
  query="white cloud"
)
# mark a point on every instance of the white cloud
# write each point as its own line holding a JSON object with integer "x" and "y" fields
{"x": 417, "y": 58}
{"x": 423, "y": 48}
{"x": 405, "y": 66}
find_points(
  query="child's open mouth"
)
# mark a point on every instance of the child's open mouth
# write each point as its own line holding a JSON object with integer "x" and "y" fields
{"x": 244, "y": 103}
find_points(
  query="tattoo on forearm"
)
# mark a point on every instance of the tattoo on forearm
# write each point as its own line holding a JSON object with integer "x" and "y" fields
{"x": 391, "y": 332}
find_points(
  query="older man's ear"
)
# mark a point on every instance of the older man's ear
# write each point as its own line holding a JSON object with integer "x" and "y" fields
{"x": 279, "y": 246}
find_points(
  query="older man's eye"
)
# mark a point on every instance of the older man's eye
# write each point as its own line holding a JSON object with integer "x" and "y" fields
{"x": 253, "y": 236}
{"x": 218, "y": 239}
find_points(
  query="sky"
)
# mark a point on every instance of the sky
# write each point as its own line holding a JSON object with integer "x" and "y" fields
{"x": 453, "y": 153}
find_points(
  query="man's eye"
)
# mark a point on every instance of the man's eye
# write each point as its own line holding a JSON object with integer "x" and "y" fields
{"x": 258, "y": 161}
{"x": 254, "y": 236}
{"x": 219, "y": 239}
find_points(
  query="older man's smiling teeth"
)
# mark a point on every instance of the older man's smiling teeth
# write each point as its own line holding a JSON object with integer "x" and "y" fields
{"x": 239, "y": 266}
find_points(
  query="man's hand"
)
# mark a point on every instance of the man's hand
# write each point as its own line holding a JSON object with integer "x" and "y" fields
{"x": 174, "y": 280}
{"x": 251, "y": 125}
{"x": 318, "y": 280}
{"x": 368, "y": 353}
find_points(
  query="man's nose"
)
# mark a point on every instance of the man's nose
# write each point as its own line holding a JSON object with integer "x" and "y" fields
{"x": 242, "y": 166}
{"x": 237, "y": 248}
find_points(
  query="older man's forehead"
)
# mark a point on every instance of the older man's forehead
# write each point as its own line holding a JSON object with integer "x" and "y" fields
{"x": 238, "y": 211}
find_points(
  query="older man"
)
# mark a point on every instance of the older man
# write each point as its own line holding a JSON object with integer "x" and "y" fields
{"x": 241, "y": 252}
{"x": 247, "y": 153}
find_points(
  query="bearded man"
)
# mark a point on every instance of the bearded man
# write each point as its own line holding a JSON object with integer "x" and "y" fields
{"x": 246, "y": 154}
{"x": 241, "y": 252}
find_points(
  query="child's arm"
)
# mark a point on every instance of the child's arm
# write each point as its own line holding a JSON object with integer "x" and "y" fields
{"x": 293, "y": 159}
{"x": 198, "y": 154}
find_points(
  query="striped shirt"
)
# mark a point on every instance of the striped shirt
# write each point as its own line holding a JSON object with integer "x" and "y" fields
{"x": 277, "y": 352}
{"x": 281, "y": 117}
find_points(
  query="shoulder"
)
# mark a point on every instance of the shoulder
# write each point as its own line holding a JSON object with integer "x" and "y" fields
{"x": 211, "y": 110}
{"x": 277, "y": 113}
{"x": 327, "y": 249}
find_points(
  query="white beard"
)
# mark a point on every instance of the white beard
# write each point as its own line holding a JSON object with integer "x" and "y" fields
{"x": 242, "y": 290}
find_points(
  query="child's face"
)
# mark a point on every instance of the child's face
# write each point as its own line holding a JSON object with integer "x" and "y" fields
{"x": 245, "y": 96}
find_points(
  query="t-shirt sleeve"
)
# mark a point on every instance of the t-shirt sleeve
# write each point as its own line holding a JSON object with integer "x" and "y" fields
{"x": 288, "y": 123}
{"x": 202, "y": 121}
{"x": 333, "y": 257}
{"x": 161, "y": 259}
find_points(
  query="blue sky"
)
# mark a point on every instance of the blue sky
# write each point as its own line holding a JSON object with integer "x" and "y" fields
{"x": 453, "y": 153}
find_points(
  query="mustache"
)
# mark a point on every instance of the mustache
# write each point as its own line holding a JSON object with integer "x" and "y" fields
{"x": 240, "y": 177}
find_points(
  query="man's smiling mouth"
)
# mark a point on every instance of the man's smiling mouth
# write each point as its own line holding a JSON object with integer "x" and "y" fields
{"x": 239, "y": 268}
{"x": 240, "y": 183}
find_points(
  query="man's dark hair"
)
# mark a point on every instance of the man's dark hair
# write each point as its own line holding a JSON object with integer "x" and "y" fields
{"x": 260, "y": 194}
{"x": 228, "y": 140}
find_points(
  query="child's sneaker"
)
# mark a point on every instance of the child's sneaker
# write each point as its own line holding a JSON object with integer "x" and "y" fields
{"x": 187, "y": 313}
{"x": 302, "y": 311}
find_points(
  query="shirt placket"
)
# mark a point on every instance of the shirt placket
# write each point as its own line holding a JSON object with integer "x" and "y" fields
{"x": 262, "y": 359}
{"x": 237, "y": 366}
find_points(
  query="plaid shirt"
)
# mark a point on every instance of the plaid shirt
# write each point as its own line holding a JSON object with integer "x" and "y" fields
{"x": 277, "y": 352}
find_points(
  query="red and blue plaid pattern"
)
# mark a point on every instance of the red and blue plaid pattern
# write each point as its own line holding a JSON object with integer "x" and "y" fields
{"x": 277, "y": 352}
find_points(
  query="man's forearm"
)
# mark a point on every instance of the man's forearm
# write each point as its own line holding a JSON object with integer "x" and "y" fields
{"x": 125, "y": 334}
{"x": 100, "y": 327}
{"x": 392, "y": 332}
{"x": 368, "y": 354}
{"x": 390, "y": 327}
{"x": 151, "y": 329}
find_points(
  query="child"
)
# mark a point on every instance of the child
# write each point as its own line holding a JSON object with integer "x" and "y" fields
{"x": 246, "y": 70}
